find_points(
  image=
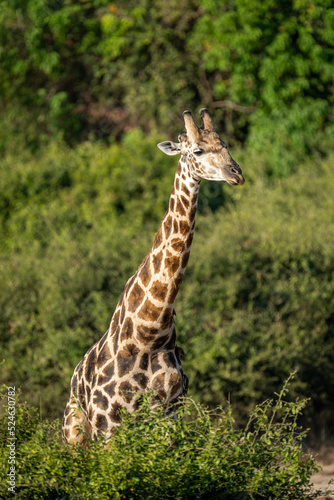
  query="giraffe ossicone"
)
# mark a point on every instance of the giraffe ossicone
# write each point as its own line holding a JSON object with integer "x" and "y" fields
{"x": 138, "y": 353}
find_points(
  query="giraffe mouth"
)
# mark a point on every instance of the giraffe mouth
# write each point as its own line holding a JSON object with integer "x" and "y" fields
{"x": 237, "y": 180}
{"x": 233, "y": 174}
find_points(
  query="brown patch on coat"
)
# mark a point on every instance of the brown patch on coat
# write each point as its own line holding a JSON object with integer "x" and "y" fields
{"x": 189, "y": 240}
{"x": 158, "y": 385}
{"x": 128, "y": 285}
{"x": 179, "y": 208}
{"x": 175, "y": 287}
{"x": 102, "y": 379}
{"x": 121, "y": 319}
{"x": 90, "y": 413}
{"x": 141, "y": 379}
{"x": 185, "y": 259}
{"x": 114, "y": 320}
{"x": 157, "y": 259}
{"x": 100, "y": 400}
{"x": 67, "y": 433}
{"x": 90, "y": 363}
{"x": 103, "y": 356}
{"x": 184, "y": 227}
{"x": 169, "y": 359}
{"x": 167, "y": 318}
{"x": 115, "y": 413}
{"x": 136, "y": 297}
{"x": 185, "y": 201}
{"x": 146, "y": 334}
{"x": 102, "y": 340}
{"x": 172, "y": 263}
{"x": 149, "y": 311}
{"x": 175, "y": 383}
{"x": 101, "y": 423}
{"x": 126, "y": 359}
{"x": 83, "y": 402}
{"x": 79, "y": 369}
{"x": 145, "y": 272}
{"x": 127, "y": 330}
{"x": 185, "y": 190}
{"x": 155, "y": 364}
{"x": 81, "y": 388}
{"x": 158, "y": 239}
{"x": 69, "y": 420}
{"x": 193, "y": 212}
{"x": 108, "y": 370}
{"x": 110, "y": 389}
{"x": 177, "y": 244}
{"x": 160, "y": 341}
{"x": 167, "y": 225}
{"x": 115, "y": 340}
{"x": 74, "y": 382}
{"x": 143, "y": 363}
{"x": 159, "y": 290}
{"x": 126, "y": 390}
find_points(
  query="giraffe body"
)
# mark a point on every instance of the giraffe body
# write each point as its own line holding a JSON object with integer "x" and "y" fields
{"x": 139, "y": 353}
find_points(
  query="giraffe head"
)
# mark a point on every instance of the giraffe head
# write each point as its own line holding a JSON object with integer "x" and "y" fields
{"x": 206, "y": 154}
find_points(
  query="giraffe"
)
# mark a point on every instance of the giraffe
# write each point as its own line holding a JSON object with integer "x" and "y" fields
{"x": 138, "y": 353}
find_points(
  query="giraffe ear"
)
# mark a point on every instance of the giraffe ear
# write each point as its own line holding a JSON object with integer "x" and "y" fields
{"x": 170, "y": 148}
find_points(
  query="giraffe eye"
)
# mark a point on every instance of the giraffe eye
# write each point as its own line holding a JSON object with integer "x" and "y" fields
{"x": 198, "y": 152}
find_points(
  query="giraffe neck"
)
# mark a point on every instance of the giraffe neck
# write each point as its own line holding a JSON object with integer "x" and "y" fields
{"x": 150, "y": 294}
{"x": 172, "y": 244}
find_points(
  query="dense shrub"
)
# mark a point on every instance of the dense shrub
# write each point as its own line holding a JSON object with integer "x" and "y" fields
{"x": 200, "y": 455}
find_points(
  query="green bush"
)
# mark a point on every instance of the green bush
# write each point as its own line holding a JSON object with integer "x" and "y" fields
{"x": 200, "y": 455}
{"x": 94, "y": 69}
{"x": 276, "y": 59}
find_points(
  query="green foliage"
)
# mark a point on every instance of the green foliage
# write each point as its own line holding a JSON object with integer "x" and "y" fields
{"x": 200, "y": 455}
{"x": 48, "y": 55}
{"x": 154, "y": 74}
{"x": 90, "y": 69}
{"x": 276, "y": 57}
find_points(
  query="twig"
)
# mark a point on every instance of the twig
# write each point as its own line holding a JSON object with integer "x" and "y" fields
{"x": 232, "y": 105}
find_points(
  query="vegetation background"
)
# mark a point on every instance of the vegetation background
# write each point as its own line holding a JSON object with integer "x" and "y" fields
{"x": 87, "y": 89}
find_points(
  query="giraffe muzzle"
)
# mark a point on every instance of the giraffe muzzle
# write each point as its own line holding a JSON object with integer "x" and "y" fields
{"x": 236, "y": 181}
{"x": 233, "y": 175}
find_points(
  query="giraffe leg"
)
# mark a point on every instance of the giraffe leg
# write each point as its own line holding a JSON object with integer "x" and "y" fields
{"x": 76, "y": 427}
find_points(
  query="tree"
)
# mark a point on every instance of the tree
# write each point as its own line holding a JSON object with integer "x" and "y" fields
{"x": 276, "y": 57}
{"x": 91, "y": 69}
